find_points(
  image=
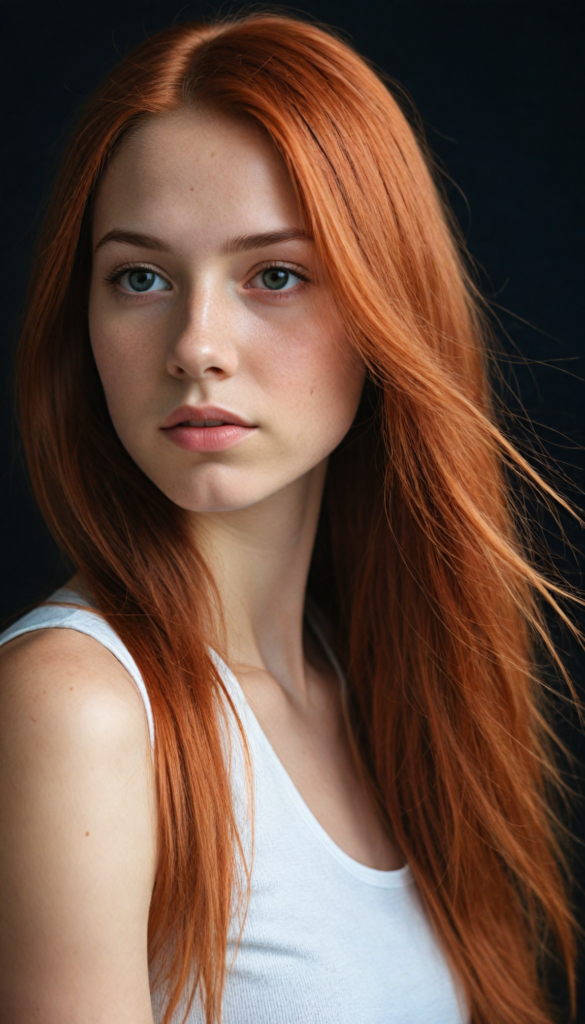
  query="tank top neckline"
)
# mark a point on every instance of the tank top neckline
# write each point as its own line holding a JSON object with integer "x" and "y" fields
{"x": 373, "y": 876}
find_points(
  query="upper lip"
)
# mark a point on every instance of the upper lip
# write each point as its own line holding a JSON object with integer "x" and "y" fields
{"x": 204, "y": 412}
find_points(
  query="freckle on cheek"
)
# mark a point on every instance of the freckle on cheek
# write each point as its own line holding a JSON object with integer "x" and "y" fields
{"x": 87, "y": 833}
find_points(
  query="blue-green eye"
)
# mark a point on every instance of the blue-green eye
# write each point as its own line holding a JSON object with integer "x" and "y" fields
{"x": 276, "y": 278}
{"x": 141, "y": 279}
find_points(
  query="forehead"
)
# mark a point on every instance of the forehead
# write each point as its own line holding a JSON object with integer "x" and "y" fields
{"x": 194, "y": 169}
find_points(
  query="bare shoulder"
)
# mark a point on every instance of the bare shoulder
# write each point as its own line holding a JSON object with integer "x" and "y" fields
{"x": 67, "y": 707}
{"x": 77, "y": 812}
{"x": 65, "y": 672}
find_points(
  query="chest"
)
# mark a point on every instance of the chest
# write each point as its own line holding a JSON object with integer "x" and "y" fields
{"x": 311, "y": 743}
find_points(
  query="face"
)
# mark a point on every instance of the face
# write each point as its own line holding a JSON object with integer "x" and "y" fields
{"x": 220, "y": 350}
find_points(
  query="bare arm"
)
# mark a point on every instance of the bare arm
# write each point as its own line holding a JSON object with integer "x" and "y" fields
{"x": 77, "y": 827}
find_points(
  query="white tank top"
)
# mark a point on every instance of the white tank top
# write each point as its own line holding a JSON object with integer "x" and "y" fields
{"x": 326, "y": 939}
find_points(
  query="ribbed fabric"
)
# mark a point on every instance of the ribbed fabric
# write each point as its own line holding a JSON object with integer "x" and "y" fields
{"x": 326, "y": 939}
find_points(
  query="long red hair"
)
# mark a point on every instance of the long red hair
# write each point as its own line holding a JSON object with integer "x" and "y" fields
{"x": 418, "y": 560}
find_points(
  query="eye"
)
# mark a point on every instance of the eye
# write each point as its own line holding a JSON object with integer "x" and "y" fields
{"x": 276, "y": 279}
{"x": 138, "y": 280}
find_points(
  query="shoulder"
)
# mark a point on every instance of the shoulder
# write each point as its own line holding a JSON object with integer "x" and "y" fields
{"x": 71, "y": 717}
{"x": 56, "y": 680}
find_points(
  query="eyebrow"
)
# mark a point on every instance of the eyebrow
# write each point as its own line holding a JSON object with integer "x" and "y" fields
{"x": 241, "y": 243}
{"x": 133, "y": 238}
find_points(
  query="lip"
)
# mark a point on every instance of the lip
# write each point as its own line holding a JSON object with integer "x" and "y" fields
{"x": 204, "y": 412}
{"x": 232, "y": 431}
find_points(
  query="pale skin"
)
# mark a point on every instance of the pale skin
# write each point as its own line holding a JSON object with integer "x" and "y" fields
{"x": 77, "y": 803}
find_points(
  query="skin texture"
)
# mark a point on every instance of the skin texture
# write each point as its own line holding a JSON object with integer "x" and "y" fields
{"x": 76, "y": 786}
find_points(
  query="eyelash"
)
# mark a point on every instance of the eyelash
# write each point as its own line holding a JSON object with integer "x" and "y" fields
{"x": 119, "y": 272}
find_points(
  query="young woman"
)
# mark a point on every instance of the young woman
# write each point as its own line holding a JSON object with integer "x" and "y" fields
{"x": 277, "y": 752}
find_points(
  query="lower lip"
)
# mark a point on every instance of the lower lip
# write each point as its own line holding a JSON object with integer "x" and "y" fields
{"x": 208, "y": 439}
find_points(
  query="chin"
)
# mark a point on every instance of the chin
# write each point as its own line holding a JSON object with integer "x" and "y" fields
{"x": 217, "y": 491}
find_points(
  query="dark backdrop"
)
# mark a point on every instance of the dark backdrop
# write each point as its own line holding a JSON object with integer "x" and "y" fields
{"x": 500, "y": 88}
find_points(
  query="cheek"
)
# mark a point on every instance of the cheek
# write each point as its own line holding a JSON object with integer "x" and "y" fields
{"x": 109, "y": 351}
{"x": 122, "y": 359}
{"x": 314, "y": 383}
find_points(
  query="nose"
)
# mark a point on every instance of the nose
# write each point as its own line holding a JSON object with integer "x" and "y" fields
{"x": 204, "y": 344}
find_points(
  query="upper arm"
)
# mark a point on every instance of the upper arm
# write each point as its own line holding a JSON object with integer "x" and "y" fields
{"x": 77, "y": 820}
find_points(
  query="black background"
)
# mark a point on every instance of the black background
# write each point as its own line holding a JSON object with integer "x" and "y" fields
{"x": 500, "y": 88}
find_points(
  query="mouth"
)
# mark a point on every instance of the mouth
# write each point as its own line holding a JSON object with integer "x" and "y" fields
{"x": 208, "y": 429}
{"x": 204, "y": 417}
{"x": 205, "y": 423}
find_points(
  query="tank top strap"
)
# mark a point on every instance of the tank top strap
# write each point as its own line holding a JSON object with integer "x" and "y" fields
{"x": 66, "y": 609}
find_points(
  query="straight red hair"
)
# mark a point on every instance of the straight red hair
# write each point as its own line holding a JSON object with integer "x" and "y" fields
{"x": 418, "y": 560}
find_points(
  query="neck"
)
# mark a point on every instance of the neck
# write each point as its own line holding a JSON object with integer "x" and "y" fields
{"x": 259, "y": 557}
